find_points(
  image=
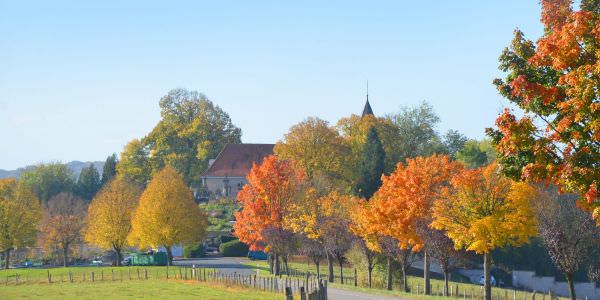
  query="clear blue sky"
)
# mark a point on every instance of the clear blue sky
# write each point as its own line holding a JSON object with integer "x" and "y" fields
{"x": 79, "y": 79}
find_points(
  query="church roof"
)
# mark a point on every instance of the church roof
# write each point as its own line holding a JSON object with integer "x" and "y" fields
{"x": 235, "y": 160}
{"x": 367, "y": 110}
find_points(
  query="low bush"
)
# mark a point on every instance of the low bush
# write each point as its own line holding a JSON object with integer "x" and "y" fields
{"x": 195, "y": 251}
{"x": 233, "y": 248}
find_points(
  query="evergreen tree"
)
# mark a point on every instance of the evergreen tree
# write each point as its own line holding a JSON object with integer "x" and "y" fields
{"x": 110, "y": 169}
{"x": 370, "y": 166}
{"x": 88, "y": 183}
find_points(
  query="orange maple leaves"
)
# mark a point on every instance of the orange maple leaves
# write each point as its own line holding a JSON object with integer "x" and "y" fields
{"x": 272, "y": 187}
{"x": 406, "y": 197}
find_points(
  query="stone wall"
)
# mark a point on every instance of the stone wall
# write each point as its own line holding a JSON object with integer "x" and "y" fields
{"x": 528, "y": 280}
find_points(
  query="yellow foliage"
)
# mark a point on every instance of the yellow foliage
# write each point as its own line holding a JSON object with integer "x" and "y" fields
{"x": 167, "y": 214}
{"x": 315, "y": 147}
{"x": 20, "y": 214}
{"x": 110, "y": 213}
{"x": 483, "y": 211}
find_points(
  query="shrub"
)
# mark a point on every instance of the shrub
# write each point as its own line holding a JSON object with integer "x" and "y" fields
{"x": 233, "y": 248}
{"x": 194, "y": 251}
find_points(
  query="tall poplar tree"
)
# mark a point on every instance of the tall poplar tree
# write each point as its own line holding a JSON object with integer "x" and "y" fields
{"x": 110, "y": 169}
{"x": 370, "y": 166}
{"x": 88, "y": 183}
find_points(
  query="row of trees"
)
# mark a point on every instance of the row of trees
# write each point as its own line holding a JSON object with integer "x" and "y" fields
{"x": 121, "y": 215}
{"x": 49, "y": 180}
{"x": 323, "y": 189}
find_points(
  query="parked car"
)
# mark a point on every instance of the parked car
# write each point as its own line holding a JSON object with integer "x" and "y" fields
{"x": 96, "y": 262}
{"x": 126, "y": 261}
{"x": 492, "y": 280}
{"x": 25, "y": 264}
{"x": 259, "y": 255}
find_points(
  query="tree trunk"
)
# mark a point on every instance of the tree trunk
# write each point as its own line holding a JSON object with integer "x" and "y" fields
{"x": 445, "y": 271}
{"x": 487, "y": 287}
{"x": 426, "y": 279}
{"x": 404, "y": 279}
{"x": 370, "y": 272}
{"x": 271, "y": 264}
{"x": 571, "y": 286}
{"x": 6, "y": 258}
{"x": 118, "y": 254}
{"x": 341, "y": 262}
{"x": 317, "y": 264}
{"x": 169, "y": 256}
{"x": 330, "y": 267}
{"x": 285, "y": 265}
{"x": 66, "y": 255}
{"x": 277, "y": 265}
{"x": 389, "y": 273}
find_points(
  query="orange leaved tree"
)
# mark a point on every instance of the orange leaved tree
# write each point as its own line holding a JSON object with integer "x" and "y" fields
{"x": 406, "y": 198}
{"x": 265, "y": 200}
{"x": 555, "y": 82}
{"x": 483, "y": 210}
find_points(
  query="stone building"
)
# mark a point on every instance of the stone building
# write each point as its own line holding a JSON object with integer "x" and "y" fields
{"x": 226, "y": 174}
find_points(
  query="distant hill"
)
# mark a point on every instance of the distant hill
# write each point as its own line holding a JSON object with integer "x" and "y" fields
{"x": 75, "y": 167}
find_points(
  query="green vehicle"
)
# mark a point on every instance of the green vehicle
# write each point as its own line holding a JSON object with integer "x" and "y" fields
{"x": 149, "y": 259}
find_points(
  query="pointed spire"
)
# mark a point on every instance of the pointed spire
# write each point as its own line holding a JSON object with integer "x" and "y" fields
{"x": 367, "y": 109}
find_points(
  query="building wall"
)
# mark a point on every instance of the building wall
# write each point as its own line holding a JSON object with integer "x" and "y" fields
{"x": 543, "y": 284}
{"x": 223, "y": 186}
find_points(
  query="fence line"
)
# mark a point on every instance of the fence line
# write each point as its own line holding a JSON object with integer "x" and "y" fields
{"x": 309, "y": 287}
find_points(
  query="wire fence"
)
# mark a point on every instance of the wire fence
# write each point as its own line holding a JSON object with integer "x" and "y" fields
{"x": 308, "y": 287}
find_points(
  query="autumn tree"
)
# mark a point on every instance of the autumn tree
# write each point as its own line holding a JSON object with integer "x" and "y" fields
{"x": 441, "y": 248}
{"x": 48, "y": 180}
{"x": 483, "y": 210}
{"x": 133, "y": 163}
{"x": 568, "y": 233}
{"x": 406, "y": 198}
{"x": 265, "y": 202}
{"x": 63, "y": 223}
{"x": 110, "y": 214}
{"x": 191, "y": 131}
{"x": 109, "y": 170}
{"x": 354, "y": 131}
{"x": 167, "y": 214}
{"x": 555, "y": 82}
{"x": 334, "y": 227}
{"x": 315, "y": 147}
{"x": 360, "y": 218}
{"x": 20, "y": 215}
{"x": 368, "y": 222}
{"x": 88, "y": 183}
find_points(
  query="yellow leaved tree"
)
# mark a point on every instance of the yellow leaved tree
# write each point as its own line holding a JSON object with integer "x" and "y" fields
{"x": 167, "y": 214}
{"x": 20, "y": 214}
{"x": 484, "y": 210}
{"x": 109, "y": 215}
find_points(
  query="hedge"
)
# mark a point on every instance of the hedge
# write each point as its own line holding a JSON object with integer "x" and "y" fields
{"x": 195, "y": 251}
{"x": 234, "y": 248}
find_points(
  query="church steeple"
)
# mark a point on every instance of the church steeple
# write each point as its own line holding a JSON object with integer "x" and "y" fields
{"x": 367, "y": 110}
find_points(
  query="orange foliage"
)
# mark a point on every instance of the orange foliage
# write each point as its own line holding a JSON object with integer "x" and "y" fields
{"x": 406, "y": 197}
{"x": 272, "y": 187}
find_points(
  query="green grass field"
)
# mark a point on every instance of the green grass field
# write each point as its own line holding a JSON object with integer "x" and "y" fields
{"x": 151, "y": 289}
{"x": 116, "y": 283}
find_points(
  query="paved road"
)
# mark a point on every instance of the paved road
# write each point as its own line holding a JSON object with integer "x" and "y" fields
{"x": 234, "y": 265}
